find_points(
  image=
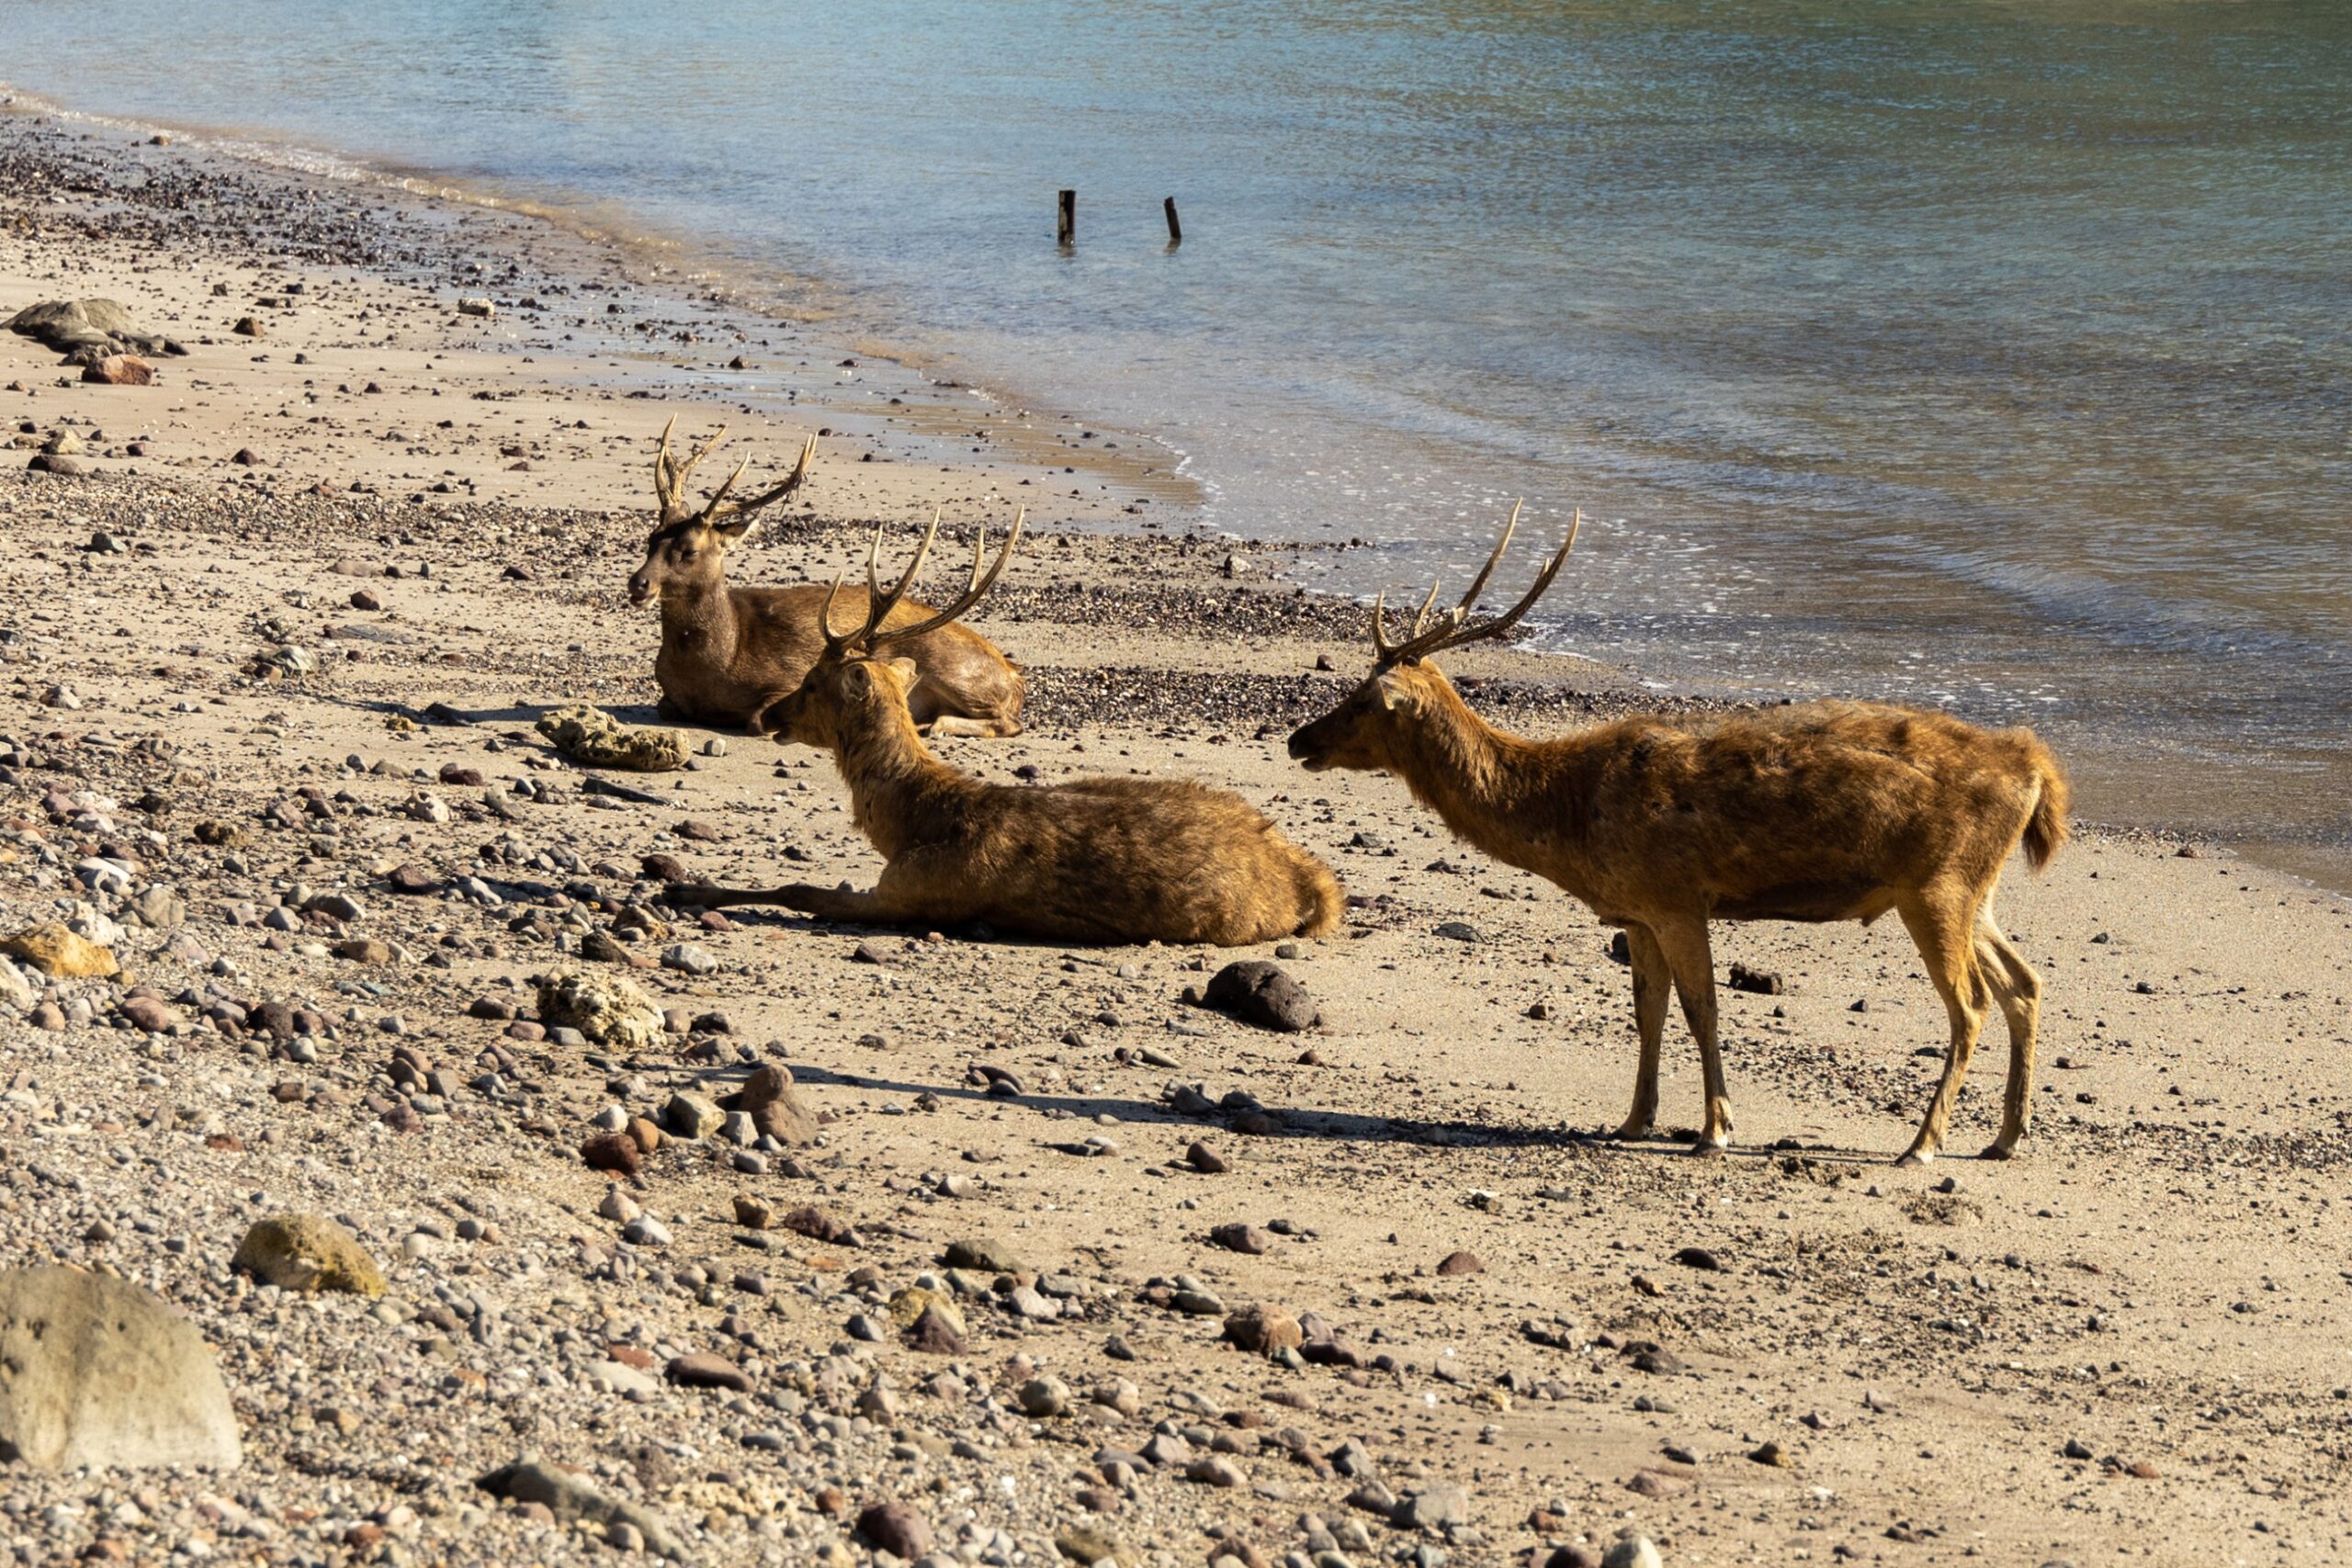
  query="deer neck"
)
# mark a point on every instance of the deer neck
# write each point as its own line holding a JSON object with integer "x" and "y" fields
{"x": 1483, "y": 781}
{"x": 698, "y": 620}
{"x": 895, "y": 785}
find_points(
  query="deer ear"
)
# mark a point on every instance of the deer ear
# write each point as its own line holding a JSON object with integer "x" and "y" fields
{"x": 732, "y": 529}
{"x": 1393, "y": 695}
{"x": 903, "y": 668}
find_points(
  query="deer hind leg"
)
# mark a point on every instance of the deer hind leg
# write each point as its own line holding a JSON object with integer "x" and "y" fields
{"x": 1692, "y": 960}
{"x": 1652, "y": 980}
{"x": 1941, "y": 922}
{"x": 952, "y": 724}
{"x": 2017, "y": 989}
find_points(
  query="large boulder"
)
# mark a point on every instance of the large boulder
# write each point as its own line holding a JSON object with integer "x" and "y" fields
{"x": 607, "y": 1009}
{"x": 595, "y": 738}
{"x": 95, "y": 1371}
{"x": 70, "y": 326}
{"x": 55, "y": 951}
{"x": 119, "y": 370}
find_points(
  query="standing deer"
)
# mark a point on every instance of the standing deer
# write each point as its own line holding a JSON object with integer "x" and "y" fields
{"x": 728, "y": 652}
{"x": 1102, "y": 860}
{"x": 1813, "y": 811}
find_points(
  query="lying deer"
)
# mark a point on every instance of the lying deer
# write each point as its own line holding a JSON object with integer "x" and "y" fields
{"x": 1102, "y": 860}
{"x": 1814, "y": 811}
{"x": 728, "y": 653}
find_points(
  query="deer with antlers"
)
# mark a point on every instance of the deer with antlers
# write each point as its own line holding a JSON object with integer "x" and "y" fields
{"x": 1099, "y": 860}
{"x": 1660, "y": 824}
{"x": 728, "y": 652}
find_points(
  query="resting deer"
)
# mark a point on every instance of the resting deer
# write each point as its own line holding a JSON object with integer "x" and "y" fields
{"x": 1104, "y": 860}
{"x": 1815, "y": 811}
{"x": 728, "y": 652}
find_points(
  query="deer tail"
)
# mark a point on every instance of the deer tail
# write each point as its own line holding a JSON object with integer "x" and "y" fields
{"x": 1321, "y": 902}
{"x": 2047, "y": 829}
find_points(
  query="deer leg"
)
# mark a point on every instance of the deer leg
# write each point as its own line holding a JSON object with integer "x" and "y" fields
{"x": 952, "y": 724}
{"x": 874, "y": 908}
{"x": 826, "y": 903}
{"x": 1652, "y": 980}
{"x": 1941, "y": 922}
{"x": 1692, "y": 960}
{"x": 702, "y": 895}
{"x": 2019, "y": 991}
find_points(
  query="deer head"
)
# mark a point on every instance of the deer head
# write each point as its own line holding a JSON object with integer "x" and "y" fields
{"x": 689, "y": 546}
{"x": 1359, "y": 732}
{"x": 855, "y": 672}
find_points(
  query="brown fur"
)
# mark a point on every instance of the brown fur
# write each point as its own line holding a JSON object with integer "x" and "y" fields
{"x": 728, "y": 653}
{"x": 1104, "y": 859}
{"x": 1819, "y": 811}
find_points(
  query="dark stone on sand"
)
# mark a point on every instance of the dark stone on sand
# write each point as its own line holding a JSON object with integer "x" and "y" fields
{"x": 1259, "y": 993}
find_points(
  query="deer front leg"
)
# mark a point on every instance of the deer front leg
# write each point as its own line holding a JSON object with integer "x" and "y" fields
{"x": 1690, "y": 956}
{"x": 873, "y": 909}
{"x": 1651, "y": 980}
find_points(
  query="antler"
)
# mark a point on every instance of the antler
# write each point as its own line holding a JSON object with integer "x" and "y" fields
{"x": 670, "y": 480}
{"x": 1450, "y": 630}
{"x": 879, "y": 604}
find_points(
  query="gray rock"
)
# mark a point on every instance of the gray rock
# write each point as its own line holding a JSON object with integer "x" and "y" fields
{"x": 572, "y": 1497}
{"x": 66, "y": 326}
{"x": 689, "y": 958}
{"x": 1260, "y": 993}
{"x": 1632, "y": 1552}
{"x": 95, "y": 1371}
{"x": 983, "y": 1254}
{"x": 691, "y": 1116}
{"x": 1432, "y": 1508}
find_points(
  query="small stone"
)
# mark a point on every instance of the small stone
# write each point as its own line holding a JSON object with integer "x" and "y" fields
{"x": 1458, "y": 1263}
{"x": 308, "y": 1253}
{"x": 933, "y": 1334}
{"x": 776, "y": 1110}
{"x": 691, "y": 1115}
{"x": 983, "y": 1256}
{"x": 752, "y": 1214}
{"x": 1772, "y": 1453}
{"x": 1216, "y": 1470}
{"x": 702, "y": 1369}
{"x": 689, "y": 958}
{"x": 1263, "y": 1330}
{"x": 1263, "y": 994}
{"x": 896, "y": 1529}
{"x": 1432, "y": 1508}
{"x": 614, "y": 1152}
{"x": 1242, "y": 1238}
{"x": 1632, "y": 1552}
{"x": 1044, "y": 1398}
{"x": 1206, "y": 1160}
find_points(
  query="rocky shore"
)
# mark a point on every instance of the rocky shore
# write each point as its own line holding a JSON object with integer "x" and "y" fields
{"x": 484, "y": 1209}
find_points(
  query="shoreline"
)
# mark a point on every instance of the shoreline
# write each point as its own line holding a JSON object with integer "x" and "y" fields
{"x": 675, "y": 282}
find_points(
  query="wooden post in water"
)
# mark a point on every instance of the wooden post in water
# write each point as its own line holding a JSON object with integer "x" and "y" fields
{"x": 1175, "y": 230}
{"x": 1065, "y": 223}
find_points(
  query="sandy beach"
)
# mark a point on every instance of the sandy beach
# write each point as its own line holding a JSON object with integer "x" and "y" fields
{"x": 2130, "y": 1343}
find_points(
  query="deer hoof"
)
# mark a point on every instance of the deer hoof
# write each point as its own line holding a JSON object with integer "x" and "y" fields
{"x": 2000, "y": 1151}
{"x": 1708, "y": 1148}
{"x": 1915, "y": 1156}
{"x": 1630, "y": 1132}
